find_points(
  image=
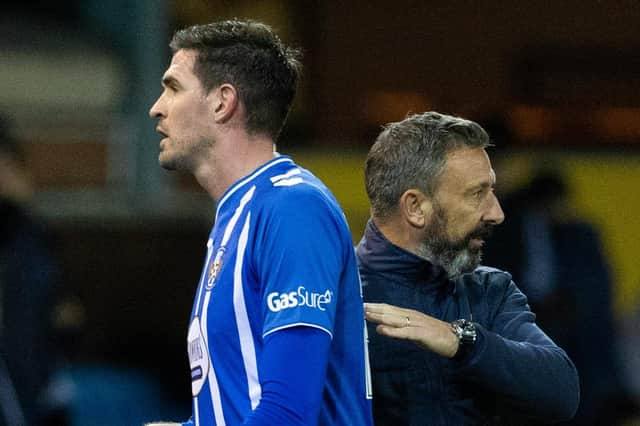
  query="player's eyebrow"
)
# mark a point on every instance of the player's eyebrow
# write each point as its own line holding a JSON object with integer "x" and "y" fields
{"x": 170, "y": 81}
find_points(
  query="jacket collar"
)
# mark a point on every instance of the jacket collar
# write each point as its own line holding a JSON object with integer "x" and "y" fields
{"x": 379, "y": 255}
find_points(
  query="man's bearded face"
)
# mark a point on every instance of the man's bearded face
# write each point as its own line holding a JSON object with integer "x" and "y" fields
{"x": 456, "y": 256}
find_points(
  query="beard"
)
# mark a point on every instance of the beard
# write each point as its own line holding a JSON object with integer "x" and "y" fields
{"x": 183, "y": 155}
{"x": 457, "y": 257}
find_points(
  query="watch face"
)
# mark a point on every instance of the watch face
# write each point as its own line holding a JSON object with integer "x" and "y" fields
{"x": 465, "y": 330}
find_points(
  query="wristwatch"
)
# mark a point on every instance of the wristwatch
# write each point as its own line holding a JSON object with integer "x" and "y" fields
{"x": 466, "y": 333}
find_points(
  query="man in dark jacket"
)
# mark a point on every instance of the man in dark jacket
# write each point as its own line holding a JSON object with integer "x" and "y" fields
{"x": 455, "y": 344}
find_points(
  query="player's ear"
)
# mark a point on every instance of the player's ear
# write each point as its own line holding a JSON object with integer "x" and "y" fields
{"x": 416, "y": 207}
{"x": 224, "y": 99}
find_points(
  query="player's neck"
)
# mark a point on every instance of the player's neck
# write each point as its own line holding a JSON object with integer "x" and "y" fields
{"x": 231, "y": 159}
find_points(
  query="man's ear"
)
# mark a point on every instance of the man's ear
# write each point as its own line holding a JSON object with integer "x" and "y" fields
{"x": 225, "y": 102}
{"x": 416, "y": 207}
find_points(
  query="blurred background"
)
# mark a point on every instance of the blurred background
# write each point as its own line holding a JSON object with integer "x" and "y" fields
{"x": 101, "y": 249}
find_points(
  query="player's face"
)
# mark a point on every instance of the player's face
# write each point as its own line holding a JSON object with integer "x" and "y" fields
{"x": 464, "y": 211}
{"x": 184, "y": 115}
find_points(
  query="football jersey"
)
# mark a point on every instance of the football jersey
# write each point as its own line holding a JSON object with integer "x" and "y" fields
{"x": 279, "y": 255}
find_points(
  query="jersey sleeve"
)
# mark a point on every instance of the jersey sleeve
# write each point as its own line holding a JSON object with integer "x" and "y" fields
{"x": 290, "y": 398}
{"x": 299, "y": 258}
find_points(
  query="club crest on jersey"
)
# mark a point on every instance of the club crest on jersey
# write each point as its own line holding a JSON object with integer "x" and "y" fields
{"x": 214, "y": 268}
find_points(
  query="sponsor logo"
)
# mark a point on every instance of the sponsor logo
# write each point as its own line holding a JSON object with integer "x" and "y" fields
{"x": 279, "y": 301}
{"x": 198, "y": 356}
{"x": 196, "y": 373}
{"x": 195, "y": 350}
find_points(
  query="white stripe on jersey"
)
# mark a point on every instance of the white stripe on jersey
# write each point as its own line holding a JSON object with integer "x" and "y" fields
{"x": 290, "y": 173}
{"x": 236, "y": 215}
{"x": 225, "y": 238}
{"x": 242, "y": 320}
{"x": 248, "y": 178}
{"x": 196, "y": 411}
{"x": 204, "y": 275}
{"x": 288, "y": 182}
{"x": 214, "y": 389}
{"x": 296, "y": 324}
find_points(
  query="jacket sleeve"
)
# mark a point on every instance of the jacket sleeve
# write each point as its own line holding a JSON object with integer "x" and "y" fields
{"x": 515, "y": 359}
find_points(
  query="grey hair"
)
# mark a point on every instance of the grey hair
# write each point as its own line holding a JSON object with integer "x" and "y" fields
{"x": 412, "y": 153}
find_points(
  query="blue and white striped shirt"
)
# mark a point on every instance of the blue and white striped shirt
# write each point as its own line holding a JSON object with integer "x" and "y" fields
{"x": 280, "y": 255}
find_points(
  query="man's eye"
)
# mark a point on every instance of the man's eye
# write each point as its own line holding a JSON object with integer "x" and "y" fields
{"x": 171, "y": 87}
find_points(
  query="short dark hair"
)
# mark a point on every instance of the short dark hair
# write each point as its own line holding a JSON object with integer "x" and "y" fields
{"x": 411, "y": 154}
{"x": 251, "y": 57}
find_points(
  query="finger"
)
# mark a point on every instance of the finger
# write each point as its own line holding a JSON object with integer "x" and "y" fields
{"x": 395, "y": 332}
{"x": 387, "y": 319}
{"x": 384, "y": 308}
{"x": 375, "y": 317}
{"x": 379, "y": 308}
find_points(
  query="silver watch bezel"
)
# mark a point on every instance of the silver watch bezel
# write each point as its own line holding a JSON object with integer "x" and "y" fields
{"x": 465, "y": 330}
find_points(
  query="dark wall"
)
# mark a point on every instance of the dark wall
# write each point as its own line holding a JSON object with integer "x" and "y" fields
{"x": 135, "y": 282}
{"x": 457, "y": 56}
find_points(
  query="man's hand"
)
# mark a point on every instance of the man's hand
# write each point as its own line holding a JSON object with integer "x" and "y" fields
{"x": 428, "y": 332}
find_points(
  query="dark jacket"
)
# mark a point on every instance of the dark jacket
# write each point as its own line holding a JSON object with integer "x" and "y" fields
{"x": 514, "y": 374}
